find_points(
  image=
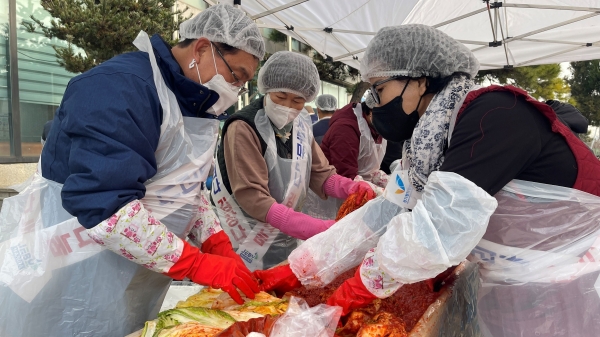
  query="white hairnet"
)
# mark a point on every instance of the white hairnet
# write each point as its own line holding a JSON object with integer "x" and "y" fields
{"x": 415, "y": 51}
{"x": 326, "y": 102}
{"x": 289, "y": 72}
{"x": 369, "y": 101}
{"x": 226, "y": 24}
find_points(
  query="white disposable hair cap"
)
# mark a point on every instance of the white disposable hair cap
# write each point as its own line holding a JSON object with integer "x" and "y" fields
{"x": 286, "y": 71}
{"x": 226, "y": 24}
{"x": 326, "y": 102}
{"x": 415, "y": 51}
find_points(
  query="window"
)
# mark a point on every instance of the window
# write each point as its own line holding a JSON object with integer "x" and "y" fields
{"x": 41, "y": 83}
{"x": 296, "y": 45}
{"x": 5, "y": 107}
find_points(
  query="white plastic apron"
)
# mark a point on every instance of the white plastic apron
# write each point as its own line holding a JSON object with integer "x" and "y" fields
{"x": 370, "y": 154}
{"x": 562, "y": 282}
{"x": 259, "y": 244}
{"x": 529, "y": 291}
{"x": 57, "y": 281}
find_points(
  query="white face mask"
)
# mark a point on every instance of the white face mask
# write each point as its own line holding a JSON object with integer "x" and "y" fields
{"x": 228, "y": 93}
{"x": 279, "y": 115}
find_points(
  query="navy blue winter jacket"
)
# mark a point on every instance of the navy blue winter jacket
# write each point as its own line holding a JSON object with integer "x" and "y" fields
{"x": 106, "y": 130}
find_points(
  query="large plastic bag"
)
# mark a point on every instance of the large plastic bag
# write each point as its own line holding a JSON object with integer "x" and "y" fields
{"x": 300, "y": 320}
{"x": 540, "y": 263}
{"x": 320, "y": 259}
{"x": 446, "y": 223}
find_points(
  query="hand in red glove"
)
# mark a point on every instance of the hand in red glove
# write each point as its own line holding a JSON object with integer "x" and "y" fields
{"x": 279, "y": 279}
{"x": 363, "y": 189}
{"x": 219, "y": 244}
{"x": 214, "y": 271}
{"x": 351, "y": 295}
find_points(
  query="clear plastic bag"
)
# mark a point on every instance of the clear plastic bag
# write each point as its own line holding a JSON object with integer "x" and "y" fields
{"x": 300, "y": 320}
{"x": 320, "y": 259}
{"x": 539, "y": 262}
{"x": 319, "y": 208}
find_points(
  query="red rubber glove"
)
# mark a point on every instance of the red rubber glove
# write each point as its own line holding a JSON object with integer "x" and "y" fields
{"x": 219, "y": 244}
{"x": 279, "y": 279}
{"x": 351, "y": 295}
{"x": 214, "y": 271}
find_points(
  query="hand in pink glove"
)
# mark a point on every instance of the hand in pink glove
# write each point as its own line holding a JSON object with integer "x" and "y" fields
{"x": 294, "y": 223}
{"x": 341, "y": 187}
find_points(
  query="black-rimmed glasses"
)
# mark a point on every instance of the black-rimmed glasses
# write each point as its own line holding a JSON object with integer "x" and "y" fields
{"x": 243, "y": 89}
{"x": 374, "y": 93}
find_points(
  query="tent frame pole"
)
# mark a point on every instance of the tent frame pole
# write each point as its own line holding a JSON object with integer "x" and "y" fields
{"x": 541, "y": 30}
{"x": 563, "y": 8}
{"x": 277, "y": 9}
{"x": 556, "y": 53}
{"x": 495, "y": 21}
{"x": 286, "y": 26}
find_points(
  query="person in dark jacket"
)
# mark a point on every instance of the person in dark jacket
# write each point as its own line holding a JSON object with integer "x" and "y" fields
{"x": 570, "y": 116}
{"x": 535, "y": 245}
{"x": 313, "y": 116}
{"x": 118, "y": 128}
{"x": 326, "y": 106}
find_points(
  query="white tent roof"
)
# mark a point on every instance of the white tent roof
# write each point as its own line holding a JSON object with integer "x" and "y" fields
{"x": 525, "y": 32}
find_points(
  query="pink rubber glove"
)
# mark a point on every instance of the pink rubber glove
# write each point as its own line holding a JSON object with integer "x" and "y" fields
{"x": 341, "y": 187}
{"x": 296, "y": 224}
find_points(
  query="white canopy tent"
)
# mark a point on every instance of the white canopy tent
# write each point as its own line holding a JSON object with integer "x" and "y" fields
{"x": 507, "y": 33}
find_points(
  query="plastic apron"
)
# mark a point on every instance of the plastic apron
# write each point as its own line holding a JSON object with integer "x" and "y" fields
{"x": 539, "y": 259}
{"x": 370, "y": 154}
{"x": 539, "y": 263}
{"x": 57, "y": 281}
{"x": 259, "y": 244}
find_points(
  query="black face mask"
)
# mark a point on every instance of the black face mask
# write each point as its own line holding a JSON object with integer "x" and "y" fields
{"x": 392, "y": 123}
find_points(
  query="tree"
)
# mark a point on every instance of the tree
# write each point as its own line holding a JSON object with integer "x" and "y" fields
{"x": 585, "y": 88}
{"x": 103, "y": 28}
{"x": 331, "y": 71}
{"x": 541, "y": 81}
{"x": 277, "y": 36}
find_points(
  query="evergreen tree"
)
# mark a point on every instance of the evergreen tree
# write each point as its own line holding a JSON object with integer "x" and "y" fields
{"x": 104, "y": 28}
{"x": 585, "y": 88}
{"x": 541, "y": 81}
